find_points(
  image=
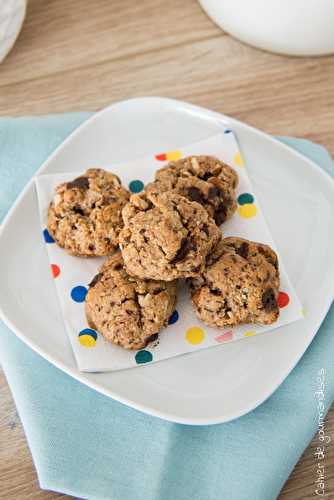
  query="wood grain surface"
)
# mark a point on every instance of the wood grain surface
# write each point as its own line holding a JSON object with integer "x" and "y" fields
{"x": 75, "y": 55}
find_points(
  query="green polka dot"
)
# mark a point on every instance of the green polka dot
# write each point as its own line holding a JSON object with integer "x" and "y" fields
{"x": 136, "y": 186}
{"x": 143, "y": 357}
{"x": 245, "y": 198}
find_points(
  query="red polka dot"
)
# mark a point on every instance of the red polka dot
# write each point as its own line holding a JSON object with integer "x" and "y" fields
{"x": 55, "y": 270}
{"x": 162, "y": 157}
{"x": 224, "y": 337}
{"x": 283, "y": 299}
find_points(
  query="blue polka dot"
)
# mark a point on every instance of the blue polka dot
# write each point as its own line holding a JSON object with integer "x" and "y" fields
{"x": 143, "y": 357}
{"x": 174, "y": 317}
{"x": 245, "y": 198}
{"x": 47, "y": 237}
{"x": 227, "y": 131}
{"x": 136, "y": 186}
{"x": 88, "y": 331}
{"x": 78, "y": 293}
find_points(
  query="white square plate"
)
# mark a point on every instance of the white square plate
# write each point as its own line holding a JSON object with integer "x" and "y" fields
{"x": 208, "y": 386}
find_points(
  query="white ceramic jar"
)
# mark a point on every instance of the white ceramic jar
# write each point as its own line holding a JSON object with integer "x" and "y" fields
{"x": 295, "y": 27}
{"x": 12, "y": 14}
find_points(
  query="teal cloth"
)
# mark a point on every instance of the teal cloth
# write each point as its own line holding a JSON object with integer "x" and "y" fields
{"x": 89, "y": 446}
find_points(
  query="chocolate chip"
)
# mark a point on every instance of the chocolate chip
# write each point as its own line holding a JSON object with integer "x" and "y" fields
{"x": 95, "y": 280}
{"x": 206, "y": 229}
{"x": 194, "y": 194}
{"x": 216, "y": 291}
{"x": 78, "y": 210}
{"x": 79, "y": 183}
{"x": 117, "y": 267}
{"x": 186, "y": 246}
{"x": 152, "y": 338}
{"x": 243, "y": 250}
{"x": 195, "y": 269}
{"x": 214, "y": 192}
{"x": 220, "y": 214}
{"x": 206, "y": 176}
{"x": 220, "y": 210}
{"x": 269, "y": 300}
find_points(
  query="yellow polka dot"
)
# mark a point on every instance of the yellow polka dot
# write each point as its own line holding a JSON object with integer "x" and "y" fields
{"x": 87, "y": 340}
{"x": 173, "y": 155}
{"x": 195, "y": 335}
{"x": 250, "y": 333}
{"x": 303, "y": 311}
{"x": 238, "y": 159}
{"x": 247, "y": 210}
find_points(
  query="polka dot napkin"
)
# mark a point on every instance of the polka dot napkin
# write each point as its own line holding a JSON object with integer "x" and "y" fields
{"x": 184, "y": 333}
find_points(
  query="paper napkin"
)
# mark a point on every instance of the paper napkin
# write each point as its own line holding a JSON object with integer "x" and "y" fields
{"x": 185, "y": 333}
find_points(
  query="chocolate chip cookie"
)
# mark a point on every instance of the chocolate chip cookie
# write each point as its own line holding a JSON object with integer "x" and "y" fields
{"x": 125, "y": 310}
{"x": 239, "y": 285}
{"x": 85, "y": 215}
{"x": 166, "y": 236}
{"x": 203, "y": 179}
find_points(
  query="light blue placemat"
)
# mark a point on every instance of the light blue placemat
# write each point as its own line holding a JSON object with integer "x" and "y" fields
{"x": 89, "y": 446}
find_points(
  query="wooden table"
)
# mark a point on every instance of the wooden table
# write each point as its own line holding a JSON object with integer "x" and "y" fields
{"x": 75, "y": 55}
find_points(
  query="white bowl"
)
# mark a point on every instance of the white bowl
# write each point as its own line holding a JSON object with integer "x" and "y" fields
{"x": 298, "y": 27}
{"x": 12, "y": 14}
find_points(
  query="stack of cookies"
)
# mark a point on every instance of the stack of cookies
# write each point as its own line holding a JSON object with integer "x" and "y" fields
{"x": 169, "y": 232}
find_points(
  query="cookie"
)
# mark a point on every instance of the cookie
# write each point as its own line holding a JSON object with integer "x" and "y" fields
{"x": 125, "y": 310}
{"x": 85, "y": 217}
{"x": 203, "y": 179}
{"x": 239, "y": 285}
{"x": 166, "y": 236}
